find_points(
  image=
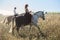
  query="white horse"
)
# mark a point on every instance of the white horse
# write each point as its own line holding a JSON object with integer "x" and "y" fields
{"x": 8, "y": 19}
{"x": 34, "y": 20}
{"x": 36, "y": 16}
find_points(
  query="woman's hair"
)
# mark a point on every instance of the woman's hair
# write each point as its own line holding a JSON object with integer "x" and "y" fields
{"x": 26, "y": 5}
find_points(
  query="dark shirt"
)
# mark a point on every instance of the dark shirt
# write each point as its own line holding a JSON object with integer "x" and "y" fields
{"x": 28, "y": 17}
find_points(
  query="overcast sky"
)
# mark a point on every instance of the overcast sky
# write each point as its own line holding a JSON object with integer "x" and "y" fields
{"x": 7, "y": 6}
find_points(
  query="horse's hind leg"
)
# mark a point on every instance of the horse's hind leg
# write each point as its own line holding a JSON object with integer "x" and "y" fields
{"x": 13, "y": 30}
{"x": 6, "y": 22}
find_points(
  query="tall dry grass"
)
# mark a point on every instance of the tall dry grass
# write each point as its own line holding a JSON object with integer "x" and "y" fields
{"x": 50, "y": 27}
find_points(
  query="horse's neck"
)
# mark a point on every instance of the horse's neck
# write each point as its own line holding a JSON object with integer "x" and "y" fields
{"x": 35, "y": 17}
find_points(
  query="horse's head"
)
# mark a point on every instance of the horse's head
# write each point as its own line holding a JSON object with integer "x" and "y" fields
{"x": 40, "y": 14}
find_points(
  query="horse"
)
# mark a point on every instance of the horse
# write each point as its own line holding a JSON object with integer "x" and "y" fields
{"x": 7, "y": 20}
{"x": 34, "y": 20}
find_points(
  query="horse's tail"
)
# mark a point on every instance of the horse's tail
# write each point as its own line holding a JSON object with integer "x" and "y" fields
{"x": 4, "y": 20}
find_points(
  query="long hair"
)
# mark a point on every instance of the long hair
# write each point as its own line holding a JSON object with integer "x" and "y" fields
{"x": 26, "y": 5}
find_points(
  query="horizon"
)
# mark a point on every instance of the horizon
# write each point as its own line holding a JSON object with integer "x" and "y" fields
{"x": 7, "y": 6}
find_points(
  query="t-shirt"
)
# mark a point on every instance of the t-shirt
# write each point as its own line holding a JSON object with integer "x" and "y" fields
{"x": 15, "y": 12}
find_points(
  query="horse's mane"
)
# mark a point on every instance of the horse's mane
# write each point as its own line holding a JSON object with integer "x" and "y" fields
{"x": 37, "y": 12}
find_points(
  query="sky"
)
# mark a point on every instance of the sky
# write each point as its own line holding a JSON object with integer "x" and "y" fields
{"x": 7, "y": 6}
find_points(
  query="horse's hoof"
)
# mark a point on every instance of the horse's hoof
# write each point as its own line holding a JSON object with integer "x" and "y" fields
{"x": 42, "y": 35}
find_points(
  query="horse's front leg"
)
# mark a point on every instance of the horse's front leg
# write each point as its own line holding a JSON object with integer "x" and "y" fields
{"x": 30, "y": 27}
{"x": 40, "y": 32}
{"x": 17, "y": 30}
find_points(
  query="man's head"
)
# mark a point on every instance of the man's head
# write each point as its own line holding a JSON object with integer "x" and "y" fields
{"x": 14, "y": 7}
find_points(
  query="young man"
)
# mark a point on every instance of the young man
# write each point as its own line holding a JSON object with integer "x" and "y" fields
{"x": 15, "y": 14}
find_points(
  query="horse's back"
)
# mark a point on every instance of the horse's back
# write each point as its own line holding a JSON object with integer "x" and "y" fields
{"x": 9, "y": 18}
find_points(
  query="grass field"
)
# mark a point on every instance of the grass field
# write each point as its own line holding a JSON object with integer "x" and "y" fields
{"x": 50, "y": 27}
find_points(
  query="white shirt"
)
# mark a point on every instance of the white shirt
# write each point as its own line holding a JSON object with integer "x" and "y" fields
{"x": 15, "y": 11}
